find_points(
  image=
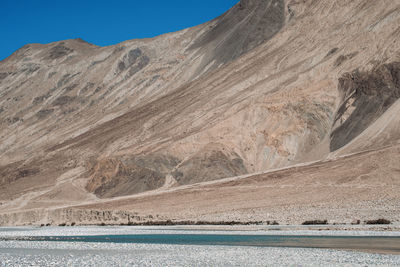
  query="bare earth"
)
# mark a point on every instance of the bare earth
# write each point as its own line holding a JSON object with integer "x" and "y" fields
{"x": 278, "y": 110}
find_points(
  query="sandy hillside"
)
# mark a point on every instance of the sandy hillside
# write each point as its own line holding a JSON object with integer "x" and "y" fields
{"x": 277, "y": 110}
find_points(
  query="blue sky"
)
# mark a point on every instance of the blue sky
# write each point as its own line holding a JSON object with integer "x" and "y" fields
{"x": 99, "y": 22}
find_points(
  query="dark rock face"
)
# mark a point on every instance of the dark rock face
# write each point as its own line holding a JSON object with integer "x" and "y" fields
{"x": 44, "y": 113}
{"x": 65, "y": 79}
{"x": 26, "y": 173}
{"x": 40, "y": 99}
{"x": 13, "y": 120}
{"x": 63, "y": 100}
{"x": 129, "y": 59}
{"x": 59, "y": 51}
{"x": 241, "y": 29}
{"x": 71, "y": 87}
{"x": 342, "y": 58}
{"x": 87, "y": 87}
{"x": 130, "y": 174}
{"x": 142, "y": 62}
{"x": 30, "y": 68}
{"x": 368, "y": 95}
{"x": 207, "y": 166}
{"x": 130, "y": 180}
{"x": 135, "y": 60}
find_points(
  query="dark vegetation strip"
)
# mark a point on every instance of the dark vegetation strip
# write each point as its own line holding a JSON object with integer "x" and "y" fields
{"x": 381, "y": 221}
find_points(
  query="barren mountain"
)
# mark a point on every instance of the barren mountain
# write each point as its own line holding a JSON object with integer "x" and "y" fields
{"x": 277, "y": 110}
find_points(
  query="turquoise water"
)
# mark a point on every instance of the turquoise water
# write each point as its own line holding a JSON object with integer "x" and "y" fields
{"x": 384, "y": 244}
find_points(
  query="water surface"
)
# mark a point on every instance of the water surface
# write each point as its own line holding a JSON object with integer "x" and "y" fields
{"x": 381, "y": 244}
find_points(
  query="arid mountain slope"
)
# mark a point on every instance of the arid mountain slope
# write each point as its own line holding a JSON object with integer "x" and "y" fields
{"x": 321, "y": 190}
{"x": 269, "y": 84}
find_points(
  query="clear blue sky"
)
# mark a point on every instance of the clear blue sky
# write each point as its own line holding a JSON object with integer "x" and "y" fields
{"x": 99, "y": 22}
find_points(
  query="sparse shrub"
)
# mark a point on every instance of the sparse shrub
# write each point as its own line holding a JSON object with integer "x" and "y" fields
{"x": 62, "y": 224}
{"x": 379, "y": 221}
{"x": 315, "y": 222}
{"x": 73, "y": 224}
{"x": 274, "y": 223}
{"x": 188, "y": 222}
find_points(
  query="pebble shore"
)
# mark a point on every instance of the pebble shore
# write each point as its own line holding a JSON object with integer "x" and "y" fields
{"x": 24, "y": 253}
{"x": 35, "y": 253}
